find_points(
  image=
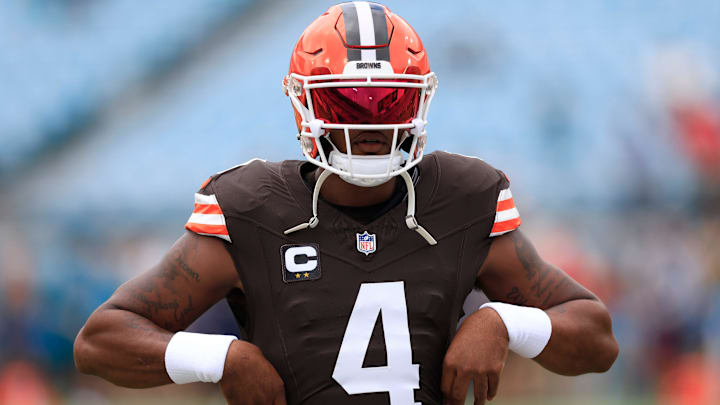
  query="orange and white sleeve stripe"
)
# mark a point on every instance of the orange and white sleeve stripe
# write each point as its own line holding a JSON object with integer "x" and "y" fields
{"x": 207, "y": 218}
{"x": 507, "y": 216}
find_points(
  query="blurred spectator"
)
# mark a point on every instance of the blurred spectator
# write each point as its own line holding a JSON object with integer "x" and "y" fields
{"x": 21, "y": 383}
{"x": 691, "y": 380}
{"x": 17, "y": 297}
{"x": 687, "y": 85}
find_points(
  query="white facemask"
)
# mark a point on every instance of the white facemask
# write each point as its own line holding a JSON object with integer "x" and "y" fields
{"x": 365, "y": 165}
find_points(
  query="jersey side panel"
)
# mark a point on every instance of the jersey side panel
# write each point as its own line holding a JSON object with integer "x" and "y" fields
{"x": 467, "y": 191}
{"x": 254, "y": 195}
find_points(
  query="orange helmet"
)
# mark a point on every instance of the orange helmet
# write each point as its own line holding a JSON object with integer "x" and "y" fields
{"x": 359, "y": 66}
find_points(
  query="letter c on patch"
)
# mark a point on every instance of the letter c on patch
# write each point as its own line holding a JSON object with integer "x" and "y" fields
{"x": 295, "y": 251}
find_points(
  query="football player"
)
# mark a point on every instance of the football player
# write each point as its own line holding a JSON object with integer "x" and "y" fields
{"x": 360, "y": 303}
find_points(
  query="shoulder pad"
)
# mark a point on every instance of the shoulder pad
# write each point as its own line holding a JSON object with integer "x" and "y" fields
{"x": 247, "y": 186}
{"x": 241, "y": 165}
{"x": 467, "y": 172}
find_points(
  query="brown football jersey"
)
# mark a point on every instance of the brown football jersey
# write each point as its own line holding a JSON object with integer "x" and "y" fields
{"x": 352, "y": 313}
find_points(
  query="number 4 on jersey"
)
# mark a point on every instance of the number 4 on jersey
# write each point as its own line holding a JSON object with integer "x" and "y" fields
{"x": 400, "y": 377}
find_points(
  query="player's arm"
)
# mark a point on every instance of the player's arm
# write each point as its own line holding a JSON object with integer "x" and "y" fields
{"x": 124, "y": 340}
{"x": 579, "y": 326}
{"x": 581, "y": 340}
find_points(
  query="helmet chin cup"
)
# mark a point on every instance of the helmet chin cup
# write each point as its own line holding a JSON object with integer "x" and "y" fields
{"x": 364, "y": 182}
{"x": 354, "y": 169}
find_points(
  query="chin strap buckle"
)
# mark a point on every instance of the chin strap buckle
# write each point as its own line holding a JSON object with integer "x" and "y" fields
{"x": 312, "y": 223}
{"x": 411, "y": 222}
{"x": 413, "y": 225}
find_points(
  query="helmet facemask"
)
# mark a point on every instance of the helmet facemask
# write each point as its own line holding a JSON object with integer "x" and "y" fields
{"x": 366, "y": 102}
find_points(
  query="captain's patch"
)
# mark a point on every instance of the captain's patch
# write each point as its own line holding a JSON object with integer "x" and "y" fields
{"x": 300, "y": 262}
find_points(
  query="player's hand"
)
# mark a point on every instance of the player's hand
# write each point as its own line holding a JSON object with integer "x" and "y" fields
{"x": 249, "y": 379}
{"x": 477, "y": 354}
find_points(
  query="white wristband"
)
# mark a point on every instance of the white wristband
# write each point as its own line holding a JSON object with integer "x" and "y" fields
{"x": 193, "y": 357}
{"x": 529, "y": 328}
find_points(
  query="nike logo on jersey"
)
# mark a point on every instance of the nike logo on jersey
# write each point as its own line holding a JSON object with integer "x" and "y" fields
{"x": 300, "y": 262}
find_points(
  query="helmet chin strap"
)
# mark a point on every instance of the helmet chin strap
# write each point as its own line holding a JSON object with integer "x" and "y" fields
{"x": 314, "y": 221}
{"x": 410, "y": 220}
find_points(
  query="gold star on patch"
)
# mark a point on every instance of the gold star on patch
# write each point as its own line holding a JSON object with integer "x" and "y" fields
{"x": 297, "y": 275}
{"x": 306, "y": 275}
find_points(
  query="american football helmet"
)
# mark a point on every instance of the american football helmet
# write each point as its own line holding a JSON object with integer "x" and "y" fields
{"x": 360, "y": 67}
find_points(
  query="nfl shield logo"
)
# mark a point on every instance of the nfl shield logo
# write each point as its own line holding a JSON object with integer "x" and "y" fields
{"x": 365, "y": 243}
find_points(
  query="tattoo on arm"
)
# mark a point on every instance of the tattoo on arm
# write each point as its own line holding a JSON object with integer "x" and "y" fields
{"x": 516, "y": 297}
{"x": 543, "y": 278}
{"x": 189, "y": 245}
{"x": 173, "y": 306}
{"x": 186, "y": 268}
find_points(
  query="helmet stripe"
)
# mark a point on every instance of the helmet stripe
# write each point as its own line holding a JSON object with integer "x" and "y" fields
{"x": 352, "y": 30}
{"x": 381, "y": 31}
{"x": 367, "y": 30}
{"x": 365, "y": 26}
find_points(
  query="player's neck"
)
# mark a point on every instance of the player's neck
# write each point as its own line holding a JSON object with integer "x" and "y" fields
{"x": 337, "y": 191}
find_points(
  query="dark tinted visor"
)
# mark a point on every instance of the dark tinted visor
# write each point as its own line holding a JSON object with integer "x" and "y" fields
{"x": 366, "y": 105}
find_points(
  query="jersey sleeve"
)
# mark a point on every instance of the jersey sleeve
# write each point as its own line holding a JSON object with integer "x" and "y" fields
{"x": 507, "y": 216}
{"x": 207, "y": 217}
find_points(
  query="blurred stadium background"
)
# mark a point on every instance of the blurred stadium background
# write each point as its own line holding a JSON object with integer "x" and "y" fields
{"x": 605, "y": 115}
